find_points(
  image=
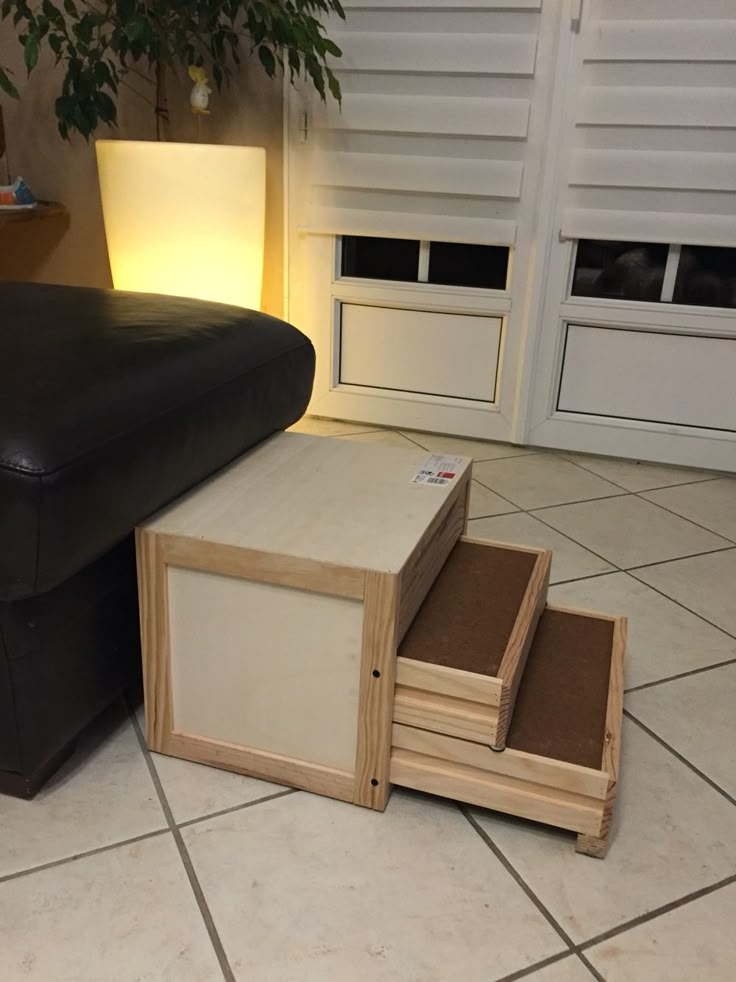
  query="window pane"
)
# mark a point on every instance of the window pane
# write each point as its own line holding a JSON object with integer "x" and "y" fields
{"x": 619, "y": 270}
{"x": 454, "y": 264}
{"x": 706, "y": 277}
{"x": 380, "y": 259}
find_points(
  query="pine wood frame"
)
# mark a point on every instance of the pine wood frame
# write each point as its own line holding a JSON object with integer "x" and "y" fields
{"x": 545, "y": 790}
{"x": 390, "y": 601}
{"x": 464, "y": 704}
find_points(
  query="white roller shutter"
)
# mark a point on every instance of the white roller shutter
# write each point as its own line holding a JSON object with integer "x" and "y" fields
{"x": 654, "y": 142}
{"x": 431, "y": 142}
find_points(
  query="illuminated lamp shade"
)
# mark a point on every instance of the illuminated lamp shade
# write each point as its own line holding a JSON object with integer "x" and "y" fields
{"x": 185, "y": 219}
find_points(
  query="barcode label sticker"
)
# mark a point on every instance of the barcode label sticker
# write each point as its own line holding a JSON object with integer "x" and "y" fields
{"x": 438, "y": 469}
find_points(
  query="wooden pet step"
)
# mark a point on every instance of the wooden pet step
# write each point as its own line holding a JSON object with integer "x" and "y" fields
{"x": 560, "y": 765}
{"x": 461, "y": 660}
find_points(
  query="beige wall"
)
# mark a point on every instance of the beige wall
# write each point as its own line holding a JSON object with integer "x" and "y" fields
{"x": 250, "y": 113}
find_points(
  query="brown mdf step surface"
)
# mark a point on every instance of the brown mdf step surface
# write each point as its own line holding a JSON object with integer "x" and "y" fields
{"x": 463, "y": 656}
{"x": 560, "y": 765}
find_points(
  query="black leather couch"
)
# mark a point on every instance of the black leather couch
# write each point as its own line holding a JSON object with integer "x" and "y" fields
{"x": 111, "y": 405}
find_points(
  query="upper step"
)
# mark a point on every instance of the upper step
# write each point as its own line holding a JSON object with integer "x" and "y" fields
{"x": 463, "y": 656}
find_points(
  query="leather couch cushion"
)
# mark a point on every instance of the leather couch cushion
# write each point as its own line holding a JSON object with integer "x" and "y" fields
{"x": 112, "y": 404}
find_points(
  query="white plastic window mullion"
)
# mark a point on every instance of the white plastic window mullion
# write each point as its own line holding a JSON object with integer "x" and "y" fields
{"x": 423, "y": 274}
{"x": 670, "y": 273}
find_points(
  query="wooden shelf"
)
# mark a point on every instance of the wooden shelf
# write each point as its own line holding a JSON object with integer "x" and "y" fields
{"x": 43, "y": 211}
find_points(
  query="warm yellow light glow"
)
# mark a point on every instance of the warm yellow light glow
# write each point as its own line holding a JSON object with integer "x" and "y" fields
{"x": 185, "y": 219}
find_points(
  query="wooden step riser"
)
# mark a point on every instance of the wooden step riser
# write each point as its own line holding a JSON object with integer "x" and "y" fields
{"x": 524, "y": 799}
{"x": 543, "y": 771}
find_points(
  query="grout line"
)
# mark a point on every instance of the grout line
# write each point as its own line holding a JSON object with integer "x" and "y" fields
{"x": 586, "y": 576}
{"x": 204, "y": 910}
{"x": 680, "y": 484}
{"x": 560, "y": 504}
{"x": 82, "y": 855}
{"x": 678, "y": 602}
{"x": 581, "y": 947}
{"x": 682, "y": 518}
{"x": 237, "y": 808}
{"x": 590, "y": 966}
{"x": 680, "y": 757}
{"x": 660, "y": 487}
{"x": 692, "y": 555}
{"x": 524, "y": 973}
{"x": 503, "y": 514}
{"x": 680, "y": 675}
{"x": 615, "y": 568}
{"x": 501, "y": 496}
{"x": 582, "y": 501}
{"x": 518, "y": 878}
{"x": 628, "y": 571}
{"x": 651, "y": 915}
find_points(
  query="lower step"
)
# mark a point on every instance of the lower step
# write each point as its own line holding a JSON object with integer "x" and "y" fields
{"x": 560, "y": 765}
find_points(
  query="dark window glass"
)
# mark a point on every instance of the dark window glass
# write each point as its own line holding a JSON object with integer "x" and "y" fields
{"x": 454, "y": 264}
{"x": 706, "y": 277}
{"x": 380, "y": 259}
{"x": 619, "y": 270}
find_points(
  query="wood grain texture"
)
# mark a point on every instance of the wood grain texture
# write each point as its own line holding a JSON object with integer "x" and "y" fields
{"x": 347, "y": 503}
{"x": 445, "y": 714}
{"x": 453, "y": 682}
{"x": 43, "y": 211}
{"x": 155, "y": 639}
{"x": 261, "y": 764}
{"x": 517, "y": 650}
{"x": 557, "y": 774}
{"x": 377, "y": 676}
{"x": 514, "y": 797}
{"x": 421, "y": 569}
{"x": 614, "y": 717}
{"x": 263, "y": 567}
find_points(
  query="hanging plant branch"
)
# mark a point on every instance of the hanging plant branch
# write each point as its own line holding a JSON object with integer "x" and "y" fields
{"x": 99, "y": 42}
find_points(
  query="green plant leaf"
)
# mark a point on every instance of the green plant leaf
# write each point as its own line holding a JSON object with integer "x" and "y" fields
{"x": 7, "y": 86}
{"x": 267, "y": 60}
{"x": 30, "y": 52}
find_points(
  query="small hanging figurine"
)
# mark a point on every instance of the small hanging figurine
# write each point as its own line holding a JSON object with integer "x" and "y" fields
{"x": 200, "y": 95}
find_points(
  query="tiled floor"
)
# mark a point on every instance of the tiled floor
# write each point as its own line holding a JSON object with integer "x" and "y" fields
{"x": 131, "y": 867}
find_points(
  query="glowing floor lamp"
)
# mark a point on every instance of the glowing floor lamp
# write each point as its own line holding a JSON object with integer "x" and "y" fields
{"x": 185, "y": 219}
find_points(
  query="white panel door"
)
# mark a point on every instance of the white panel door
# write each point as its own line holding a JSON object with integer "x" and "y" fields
{"x": 420, "y": 351}
{"x": 626, "y": 363}
{"x": 650, "y": 376}
{"x": 440, "y": 138}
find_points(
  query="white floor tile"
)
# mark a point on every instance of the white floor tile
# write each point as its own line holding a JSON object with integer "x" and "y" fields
{"x": 104, "y": 794}
{"x": 329, "y": 427}
{"x": 477, "y": 449}
{"x": 637, "y": 475}
{"x": 311, "y": 889}
{"x": 194, "y": 790}
{"x": 712, "y": 504}
{"x": 693, "y": 942}
{"x": 484, "y": 502}
{"x": 631, "y": 532}
{"x": 705, "y": 584}
{"x": 122, "y": 915}
{"x": 663, "y": 639}
{"x": 697, "y": 716}
{"x": 569, "y": 969}
{"x": 672, "y": 835}
{"x": 388, "y": 438}
{"x": 539, "y": 480}
{"x": 569, "y": 560}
